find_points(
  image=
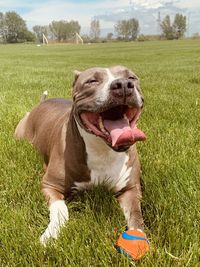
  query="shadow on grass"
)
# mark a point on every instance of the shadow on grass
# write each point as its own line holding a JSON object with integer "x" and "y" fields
{"x": 98, "y": 199}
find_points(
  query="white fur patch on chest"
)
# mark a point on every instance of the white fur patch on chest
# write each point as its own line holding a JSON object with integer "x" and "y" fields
{"x": 106, "y": 166}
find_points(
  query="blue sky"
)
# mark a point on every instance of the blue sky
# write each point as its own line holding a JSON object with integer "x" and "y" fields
{"x": 108, "y": 12}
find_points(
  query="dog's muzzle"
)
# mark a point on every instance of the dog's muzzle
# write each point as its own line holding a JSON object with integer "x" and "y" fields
{"x": 115, "y": 120}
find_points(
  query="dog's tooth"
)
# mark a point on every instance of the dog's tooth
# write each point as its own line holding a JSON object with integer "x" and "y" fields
{"x": 100, "y": 122}
{"x": 126, "y": 118}
{"x": 101, "y": 126}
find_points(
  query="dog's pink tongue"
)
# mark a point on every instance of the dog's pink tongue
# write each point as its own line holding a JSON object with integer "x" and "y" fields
{"x": 121, "y": 132}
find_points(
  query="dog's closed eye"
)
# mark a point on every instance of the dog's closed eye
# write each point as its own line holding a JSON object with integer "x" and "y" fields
{"x": 132, "y": 78}
{"x": 92, "y": 81}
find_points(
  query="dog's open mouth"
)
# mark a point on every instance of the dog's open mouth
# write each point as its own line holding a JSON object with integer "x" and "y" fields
{"x": 116, "y": 125}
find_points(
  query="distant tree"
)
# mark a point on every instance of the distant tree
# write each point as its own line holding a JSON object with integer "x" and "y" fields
{"x": 133, "y": 28}
{"x": 110, "y": 36}
{"x": 167, "y": 28}
{"x": 127, "y": 29}
{"x": 86, "y": 38}
{"x": 14, "y": 28}
{"x": 95, "y": 30}
{"x": 121, "y": 29}
{"x": 73, "y": 27}
{"x": 57, "y": 29}
{"x": 179, "y": 25}
{"x": 63, "y": 30}
{"x": 1, "y": 21}
{"x": 29, "y": 36}
{"x": 1, "y": 26}
{"x": 1, "y": 18}
{"x": 174, "y": 30}
{"x": 39, "y": 31}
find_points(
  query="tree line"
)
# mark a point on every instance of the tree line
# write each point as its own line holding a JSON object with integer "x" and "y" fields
{"x": 175, "y": 29}
{"x": 13, "y": 29}
{"x": 57, "y": 30}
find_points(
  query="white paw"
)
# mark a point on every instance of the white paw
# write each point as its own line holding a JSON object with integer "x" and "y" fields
{"x": 58, "y": 216}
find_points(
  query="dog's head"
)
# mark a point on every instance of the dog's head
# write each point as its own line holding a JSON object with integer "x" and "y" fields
{"x": 108, "y": 103}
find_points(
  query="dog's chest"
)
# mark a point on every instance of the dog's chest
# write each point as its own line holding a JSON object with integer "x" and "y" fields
{"x": 106, "y": 166}
{"x": 110, "y": 169}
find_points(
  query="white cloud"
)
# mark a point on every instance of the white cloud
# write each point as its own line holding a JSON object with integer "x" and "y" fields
{"x": 189, "y": 4}
{"x": 148, "y": 3}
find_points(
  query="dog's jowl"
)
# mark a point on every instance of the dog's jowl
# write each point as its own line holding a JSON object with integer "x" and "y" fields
{"x": 89, "y": 141}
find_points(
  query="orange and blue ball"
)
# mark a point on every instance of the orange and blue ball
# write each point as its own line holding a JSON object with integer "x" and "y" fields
{"x": 133, "y": 243}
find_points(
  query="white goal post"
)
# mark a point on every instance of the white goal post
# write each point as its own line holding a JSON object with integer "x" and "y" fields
{"x": 44, "y": 39}
{"x": 78, "y": 39}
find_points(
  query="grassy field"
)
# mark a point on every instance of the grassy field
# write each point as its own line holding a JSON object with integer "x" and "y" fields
{"x": 170, "y": 78}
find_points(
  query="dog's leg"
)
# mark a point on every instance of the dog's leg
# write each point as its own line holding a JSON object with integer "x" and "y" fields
{"x": 130, "y": 204}
{"x": 21, "y": 127}
{"x": 58, "y": 214}
{"x": 133, "y": 240}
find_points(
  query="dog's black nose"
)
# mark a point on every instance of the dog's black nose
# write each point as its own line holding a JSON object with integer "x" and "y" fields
{"x": 122, "y": 87}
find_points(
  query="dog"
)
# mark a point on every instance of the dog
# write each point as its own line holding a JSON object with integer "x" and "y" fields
{"x": 89, "y": 141}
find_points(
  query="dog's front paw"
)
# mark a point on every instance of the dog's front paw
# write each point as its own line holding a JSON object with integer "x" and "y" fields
{"x": 58, "y": 216}
{"x": 51, "y": 231}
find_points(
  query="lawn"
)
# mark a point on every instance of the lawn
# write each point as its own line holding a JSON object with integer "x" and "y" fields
{"x": 170, "y": 78}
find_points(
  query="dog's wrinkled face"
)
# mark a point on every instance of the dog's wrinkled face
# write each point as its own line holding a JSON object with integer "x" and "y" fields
{"x": 108, "y": 103}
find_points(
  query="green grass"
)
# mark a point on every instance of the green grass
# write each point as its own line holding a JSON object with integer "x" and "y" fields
{"x": 170, "y": 78}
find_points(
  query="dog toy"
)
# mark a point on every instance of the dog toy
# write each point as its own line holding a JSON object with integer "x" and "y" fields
{"x": 133, "y": 243}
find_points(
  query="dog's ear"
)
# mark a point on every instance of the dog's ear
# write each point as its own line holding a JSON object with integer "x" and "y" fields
{"x": 76, "y": 75}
